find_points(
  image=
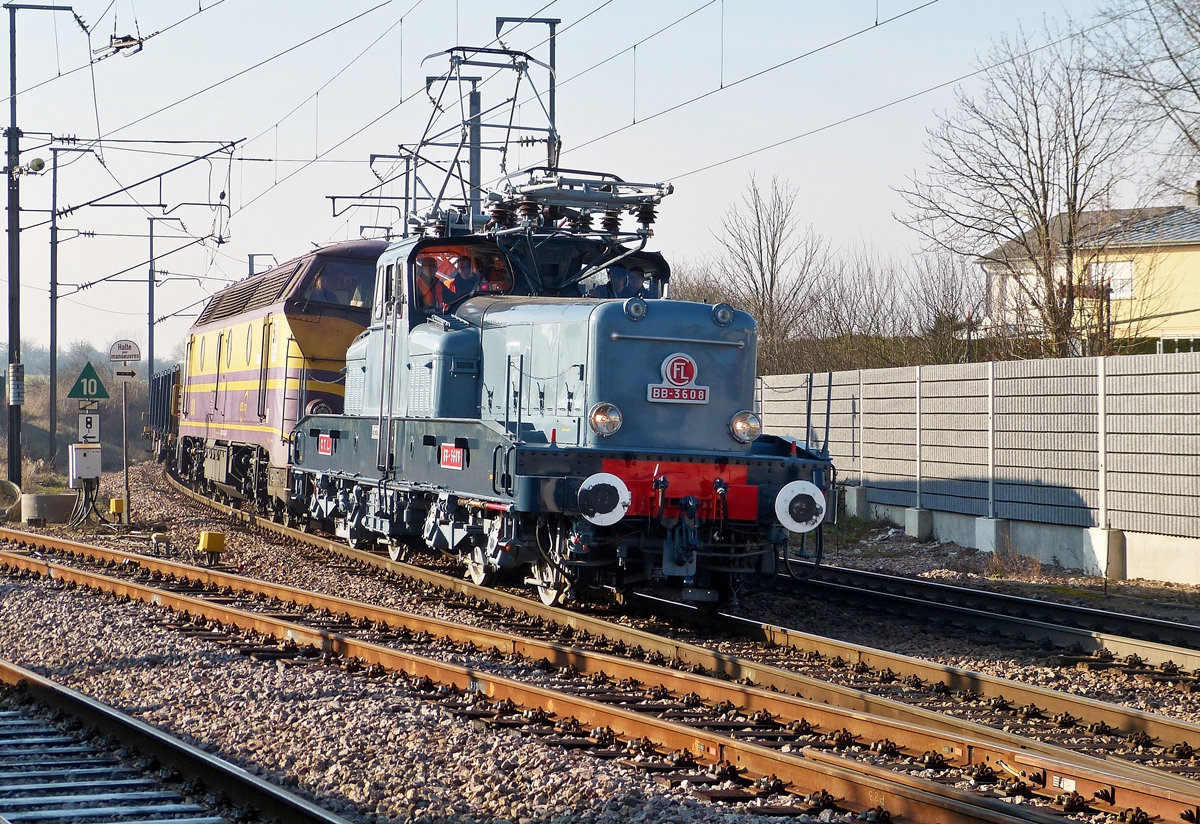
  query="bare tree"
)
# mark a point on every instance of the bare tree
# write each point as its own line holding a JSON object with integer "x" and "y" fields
{"x": 1021, "y": 173}
{"x": 947, "y": 297}
{"x": 770, "y": 265}
{"x": 1153, "y": 48}
{"x": 694, "y": 280}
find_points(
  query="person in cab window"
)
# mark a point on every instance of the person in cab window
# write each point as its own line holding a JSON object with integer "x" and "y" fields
{"x": 431, "y": 292}
{"x": 466, "y": 278}
{"x": 635, "y": 285}
{"x": 324, "y": 289}
{"x": 624, "y": 283}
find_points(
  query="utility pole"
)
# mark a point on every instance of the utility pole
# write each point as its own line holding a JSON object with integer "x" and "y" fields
{"x": 54, "y": 301}
{"x": 150, "y": 305}
{"x": 13, "y": 170}
{"x": 475, "y": 164}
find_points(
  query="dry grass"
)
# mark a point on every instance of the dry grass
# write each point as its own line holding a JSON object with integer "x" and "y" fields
{"x": 39, "y": 476}
{"x": 1006, "y": 562}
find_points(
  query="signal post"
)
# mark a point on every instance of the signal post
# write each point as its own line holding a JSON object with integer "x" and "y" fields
{"x": 124, "y": 355}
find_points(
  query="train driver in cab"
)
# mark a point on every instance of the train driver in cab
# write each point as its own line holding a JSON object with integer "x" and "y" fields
{"x": 466, "y": 278}
{"x": 328, "y": 288}
{"x": 623, "y": 283}
{"x": 431, "y": 291}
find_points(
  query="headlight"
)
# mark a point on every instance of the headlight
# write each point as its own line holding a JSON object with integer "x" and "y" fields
{"x": 605, "y": 419}
{"x": 745, "y": 426}
{"x": 636, "y": 308}
{"x": 722, "y": 314}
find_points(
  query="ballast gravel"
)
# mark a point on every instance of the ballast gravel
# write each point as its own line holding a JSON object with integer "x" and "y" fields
{"x": 369, "y": 750}
{"x": 362, "y": 747}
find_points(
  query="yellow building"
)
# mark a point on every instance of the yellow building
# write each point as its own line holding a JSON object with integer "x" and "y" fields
{"x": 1137, "y": 275}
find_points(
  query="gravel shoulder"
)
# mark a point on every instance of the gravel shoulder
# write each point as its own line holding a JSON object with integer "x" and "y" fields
{"x": 886, "y": 549}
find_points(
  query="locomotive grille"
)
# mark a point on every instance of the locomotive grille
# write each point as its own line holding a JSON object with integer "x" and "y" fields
{"x": 420, "y": 388}
{"x": 355, "y": 383}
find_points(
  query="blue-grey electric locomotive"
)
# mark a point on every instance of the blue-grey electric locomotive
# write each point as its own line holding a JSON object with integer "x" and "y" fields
{"x": 527, "y": 398}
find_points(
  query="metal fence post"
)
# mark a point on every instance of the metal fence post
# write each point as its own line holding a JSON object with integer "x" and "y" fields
{"x": 862, "y": 432}
{"x": 1101, "y": 444}
{"x": 918, "y": 437}
{"x": 991, "y": 438}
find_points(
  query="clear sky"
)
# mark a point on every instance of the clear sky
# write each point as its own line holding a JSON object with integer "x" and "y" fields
{"x": 312, "y": 116}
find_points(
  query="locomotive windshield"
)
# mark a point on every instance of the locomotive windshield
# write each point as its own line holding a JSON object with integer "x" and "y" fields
{"x": 575, "y": 267}
{"x": 341, "y": 282}
{"x": 445, "y": 275}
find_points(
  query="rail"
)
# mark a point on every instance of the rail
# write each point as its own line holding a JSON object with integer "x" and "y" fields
{"x": 241, "y": 787}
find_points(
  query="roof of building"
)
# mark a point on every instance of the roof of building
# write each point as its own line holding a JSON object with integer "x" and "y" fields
{"x": 1172, "y": 227}
{"x": 1112, "y": 228}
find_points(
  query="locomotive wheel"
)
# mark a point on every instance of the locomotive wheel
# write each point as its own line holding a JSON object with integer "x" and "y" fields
{"x": 478, "y": 571}
{"x": 550, "y": 583}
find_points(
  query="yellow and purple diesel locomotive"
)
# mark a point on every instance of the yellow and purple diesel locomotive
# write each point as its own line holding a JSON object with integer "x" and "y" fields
{"x": 263, "y": 353}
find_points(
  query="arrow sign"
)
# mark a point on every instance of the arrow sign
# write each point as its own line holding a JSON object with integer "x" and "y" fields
{"x": 124, "y": 374}
{"x": 89, "y": 428}
{"x": 88, "y": 385}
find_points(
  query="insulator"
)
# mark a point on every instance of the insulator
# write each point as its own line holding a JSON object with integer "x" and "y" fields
{"x": 646, "y": 215}
{"x": 582, "y": 222}
{"x": 528, "y": 208}
{"x": 501, "y": 217}
{"x": 611, "y": 222}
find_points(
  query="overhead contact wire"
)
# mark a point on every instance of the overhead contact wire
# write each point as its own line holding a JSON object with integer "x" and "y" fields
{"x": 248, "y": 69}
{"x": 758, "y": 74}
{"x": 905, "y": 98}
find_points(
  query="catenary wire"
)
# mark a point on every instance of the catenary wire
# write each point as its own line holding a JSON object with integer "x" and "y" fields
{"x": 757, "y": 74}
{"x": 248, "y": 69}
{"x": 900, "y": 100}
{"x": 103, "y": 57}
{"x": 388, "y": 30}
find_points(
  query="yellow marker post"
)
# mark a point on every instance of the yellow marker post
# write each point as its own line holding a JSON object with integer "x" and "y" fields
{"x": 212, "y": 544}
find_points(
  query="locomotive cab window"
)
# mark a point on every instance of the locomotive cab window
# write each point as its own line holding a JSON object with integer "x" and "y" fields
{"x": 625, "y": 279}
{"x": 443, "y": 276}
{"x": 341, "y": 283}
{"x": 383, "y": 290}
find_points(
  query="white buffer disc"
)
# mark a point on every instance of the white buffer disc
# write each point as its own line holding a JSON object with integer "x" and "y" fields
{"x": 604, "y": 499}
{"x": 800, "y": 506}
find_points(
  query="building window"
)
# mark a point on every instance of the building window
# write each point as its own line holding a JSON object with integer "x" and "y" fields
{"x": 1117, "y": 274}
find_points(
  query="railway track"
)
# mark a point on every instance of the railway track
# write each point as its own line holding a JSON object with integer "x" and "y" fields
{"x": 709, "y": 709}
{"x": 595, "y": 712}
{"x": 878, "y": 672}
{"x": 1107, "y": 636}
{"x": 65, "y": 757}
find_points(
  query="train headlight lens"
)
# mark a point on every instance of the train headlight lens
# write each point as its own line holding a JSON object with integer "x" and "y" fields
{"x": 636, "y": 308}
{"x": 605, "y": 419}
{"x": 745, "y": 426}
{"x": 722, "y": 314}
